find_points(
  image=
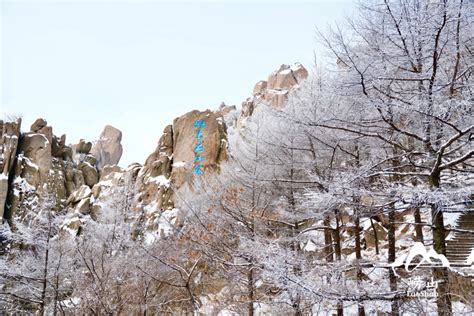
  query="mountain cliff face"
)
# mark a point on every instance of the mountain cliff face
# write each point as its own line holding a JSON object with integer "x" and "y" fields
{"x": 150, "y": 188}
{"x": 39, "y": 166}
{"x": 82, "y": 177}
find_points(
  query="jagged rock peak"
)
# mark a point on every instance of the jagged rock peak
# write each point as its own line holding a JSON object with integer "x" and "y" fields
{"x": 37, "y": 165}
{"x": 108, "y": 149}
{"x": 276, "y": 88}
{"x": 38, "y": 125}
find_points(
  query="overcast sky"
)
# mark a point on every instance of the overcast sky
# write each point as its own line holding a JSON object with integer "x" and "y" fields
{"x": 136, "y": 65}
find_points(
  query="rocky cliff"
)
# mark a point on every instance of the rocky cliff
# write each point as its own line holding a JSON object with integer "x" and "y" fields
{"x": 40, "y": 166}
{"x": 81, "y": 178}
{"x": 148, "y": 190}
{"x": 274, "y": 91}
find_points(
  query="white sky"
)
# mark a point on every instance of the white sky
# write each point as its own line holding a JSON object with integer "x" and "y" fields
{"x": 138, "y": 64}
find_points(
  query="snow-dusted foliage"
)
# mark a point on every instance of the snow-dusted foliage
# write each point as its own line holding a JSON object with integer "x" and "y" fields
{"x": 35, "y": 265}
{"x": 351, "y": 199}
{"x": 365, "y": 159}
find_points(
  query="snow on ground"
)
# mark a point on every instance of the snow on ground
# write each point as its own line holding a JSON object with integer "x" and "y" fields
{"x": 470, "y": 259}
{"x": 164, "y": 222}
{"x": 71, "y": 303}
{"x": 167, "y": 222}
{"x": 23, "y": 185}
{"x": 451, "y": 218}
{"x": 161, "y": 180}
{"x": 179, "y": 164}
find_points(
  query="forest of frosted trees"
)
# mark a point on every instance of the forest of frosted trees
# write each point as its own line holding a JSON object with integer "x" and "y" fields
{"x": 315, "y": 205}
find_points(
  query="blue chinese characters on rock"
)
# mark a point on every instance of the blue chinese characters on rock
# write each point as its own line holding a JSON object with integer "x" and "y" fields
{"x": 199, "y": 125}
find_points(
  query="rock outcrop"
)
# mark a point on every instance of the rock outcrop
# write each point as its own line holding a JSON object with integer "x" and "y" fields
{"x": 148, "y": 191}
{"x": 9, "y": 137}
{"x": 108, "y": 149}
{"x": 37, "y": 166}
{"x": 275, "y": 89}
{"x": 81, "y": 178}
{"x": 172, "y": 163}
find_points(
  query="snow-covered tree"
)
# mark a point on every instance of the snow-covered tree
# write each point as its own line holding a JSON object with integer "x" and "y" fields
{"x": 399, "y": 102}
{"x": 35, "y": 271}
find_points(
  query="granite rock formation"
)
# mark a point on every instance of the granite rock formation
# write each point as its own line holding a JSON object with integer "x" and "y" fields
{"x": 171, "y": 165}
{"x": 81, "y": 178}
{"x": 37, "y": 166}
{"x": 148, "y": 191}
{"x": 9, "y": 137}
{"x": 108, "y": 149}
{"x": 274, "y": 91}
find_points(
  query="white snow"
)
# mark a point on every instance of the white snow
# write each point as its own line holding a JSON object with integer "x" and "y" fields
{"x": 296, "y": 66}
{"x": 106, "y": 183}
{"x": 451, "y": 219}
{"x": 149, "y": 238}
{"x": 30, "y": 163}
{"x": 310, "y": 246}
{"x": 72, "y": 302}
{"x": 23, "y": 185}
{"x": 280, "y": 92}
{"x": 179, "y": 164}
{"x": 117, "y": 175}
{"x": 161, "y": 180}
{"x": 46, "y": 141}
{"x": 167, "y": 221}
{"x": 470, "y": 259}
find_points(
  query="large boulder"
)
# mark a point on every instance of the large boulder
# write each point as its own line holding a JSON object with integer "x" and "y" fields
{"x": 153, "y": 179}
{"x": 37, "y": 148}
{"x": 286, "y": 77}
{"x": 82, "y": 147}
{"x": 172, "y": 164}
{"x": 82, "y": 193}
{"x": 90, "y": 173}
{"x": 38, "y": 125}
{"x": 108, "y": 149}
{"x": 214, "y": 141}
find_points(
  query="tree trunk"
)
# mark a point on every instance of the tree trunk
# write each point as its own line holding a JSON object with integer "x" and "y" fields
{"x": 391, "y": 258}
{"x": 56, "y": 296}
{"x": 443, "y": 300}
{"x": 418, "y": 226}
{"x": 376, "y": 239}
{"x": 337, "y": 252}
{"x": 361, "y": 308}
{"x": 328, "y": 247}
{"x": 250, "y": 291}
{"x": 337, "y": 238}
